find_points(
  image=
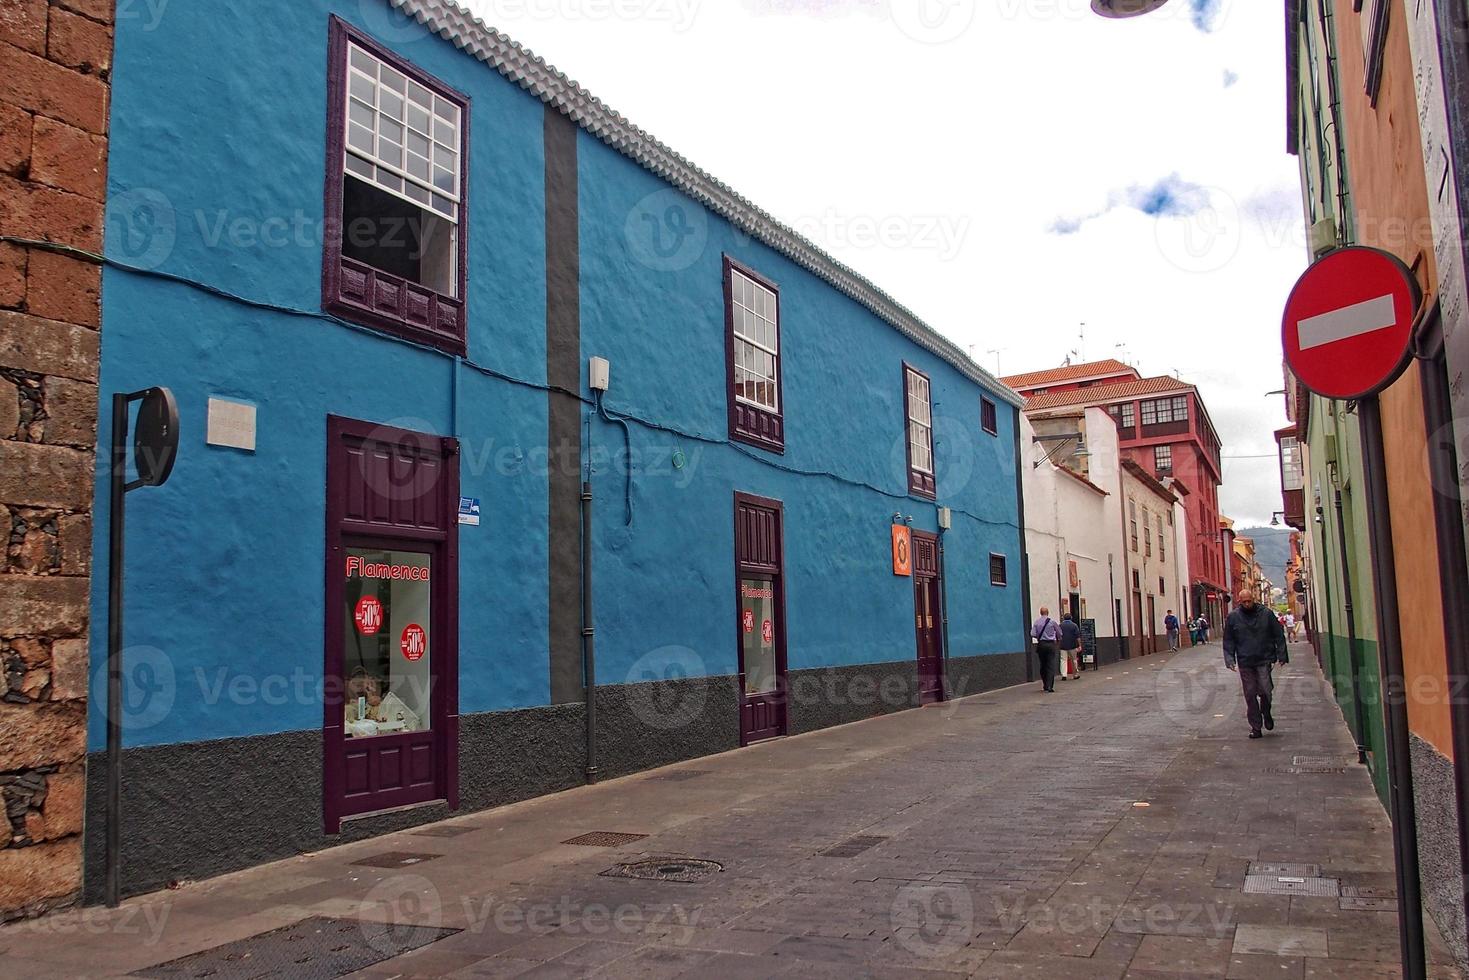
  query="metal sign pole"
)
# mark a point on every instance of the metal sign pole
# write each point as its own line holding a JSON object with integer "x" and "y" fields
{"x": 1395, "y": 708}
{"x": 155, "y": 447}
{"x": 115, "y": 520}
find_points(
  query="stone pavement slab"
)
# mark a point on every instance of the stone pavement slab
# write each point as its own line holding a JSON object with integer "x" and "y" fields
{"x": 1104, "y": 831}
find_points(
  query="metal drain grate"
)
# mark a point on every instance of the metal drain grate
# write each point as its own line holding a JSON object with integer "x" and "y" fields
{"x": 686, "y": 870}
{"x": 318, "y": 948}
{"x": 1292, "y": 870}
{"x": 1355, "y": 899}
{"x": 395, "y": 859}
{"x": 434, "y": 831}
{"x": 1333, "y": 761}
{"x": 1290, "y": 885}
{"x": 681, "y": 775}
{"x": 1300, "y": 770}
{"x": 604, "y": 838}
{"x": 852, "y": 846}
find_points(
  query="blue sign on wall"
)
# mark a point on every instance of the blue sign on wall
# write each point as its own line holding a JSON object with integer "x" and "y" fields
{"x": 469, "y": 511}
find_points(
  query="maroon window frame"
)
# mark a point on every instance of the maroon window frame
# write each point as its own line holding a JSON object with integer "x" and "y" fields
{"x": 920, "y": 483}
{"x": 750, "y": 423}
{"x": 355, "y": 290}
{"x": 988, "y": 415}
{"x": 999, "y": 571}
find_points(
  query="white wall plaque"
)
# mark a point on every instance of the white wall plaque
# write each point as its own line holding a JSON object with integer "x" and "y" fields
{"x": 231, "y": 424}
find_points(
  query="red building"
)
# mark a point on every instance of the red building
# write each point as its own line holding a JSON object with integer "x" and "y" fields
{"x": 1164, "y": 427}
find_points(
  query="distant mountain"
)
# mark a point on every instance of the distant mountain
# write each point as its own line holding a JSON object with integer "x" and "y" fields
{"x": 1272, "y": 550}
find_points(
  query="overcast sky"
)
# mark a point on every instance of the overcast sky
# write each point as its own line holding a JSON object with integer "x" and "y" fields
{"x": 1008, "y": 169}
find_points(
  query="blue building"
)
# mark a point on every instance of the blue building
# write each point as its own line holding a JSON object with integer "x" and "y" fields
{"x": 373, "y": 249}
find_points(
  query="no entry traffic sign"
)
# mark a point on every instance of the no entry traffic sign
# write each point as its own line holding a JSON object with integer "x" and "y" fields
{"x": 1348, "y": 326}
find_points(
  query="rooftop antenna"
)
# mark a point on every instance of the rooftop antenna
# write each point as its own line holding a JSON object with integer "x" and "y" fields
{"x": 1081, "y": 342}
{"x": 1125, "y": 355}
{"x": 997, "y": 352}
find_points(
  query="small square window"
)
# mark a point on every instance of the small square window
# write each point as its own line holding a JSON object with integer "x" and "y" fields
{"x": 988, "y": 416}
{"x": 999, "y": 574}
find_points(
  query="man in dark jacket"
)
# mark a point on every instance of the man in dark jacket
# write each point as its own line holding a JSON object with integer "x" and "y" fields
{"x": 1070, "y": 646}
{"x": 1254, "y": 642}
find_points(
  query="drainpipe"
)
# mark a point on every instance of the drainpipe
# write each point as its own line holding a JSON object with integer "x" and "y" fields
{"x": 588, "y": 630}
{"x": 943, "y": 610}
{"x": 1395, "y": 701}
{"x": 1346, "y": 586}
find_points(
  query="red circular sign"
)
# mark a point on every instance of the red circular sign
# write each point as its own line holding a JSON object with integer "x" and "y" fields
{"x": 414, "y": 642}
{"x": 1348, "y": 323}
{"x": 368, "y": 615}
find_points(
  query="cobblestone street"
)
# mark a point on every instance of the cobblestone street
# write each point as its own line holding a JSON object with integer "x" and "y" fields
{"x": 1105, "y": 831}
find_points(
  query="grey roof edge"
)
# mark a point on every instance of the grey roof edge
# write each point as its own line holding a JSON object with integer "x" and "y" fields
{"x": 532, "y": 73}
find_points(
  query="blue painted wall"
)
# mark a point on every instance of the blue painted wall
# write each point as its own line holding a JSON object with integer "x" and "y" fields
{"x": 216, "y": 176}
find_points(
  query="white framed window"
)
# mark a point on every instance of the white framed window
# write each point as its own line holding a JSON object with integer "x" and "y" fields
{"x": 1163, "y": 459}
{"x": 920, "y": 423}
{"x": 400, "y": 135}
{"x": 755, "y": 313}
{"x": 402, "y": 144}
{"x": 1292, "y": 473}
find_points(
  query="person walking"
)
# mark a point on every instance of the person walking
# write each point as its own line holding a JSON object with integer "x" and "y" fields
{"x": 1046, "y": 632}
{"x": 1290, "y": 626}
{"x": 1070, "y": 646}
{"x": 1170, "y": 623}
{"x": 1254, "y": 642}
{"x": 1203, "y": 628}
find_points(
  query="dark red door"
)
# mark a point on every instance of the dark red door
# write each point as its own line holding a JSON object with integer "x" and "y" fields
{"x": 760, "y": 617}
{"x": 928, "y": 617}
{"x": 390, "y": 724}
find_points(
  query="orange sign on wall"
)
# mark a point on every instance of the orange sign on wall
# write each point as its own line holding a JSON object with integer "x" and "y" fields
{"x": 902, "y": 550}
{"x": 1075, "y": 574}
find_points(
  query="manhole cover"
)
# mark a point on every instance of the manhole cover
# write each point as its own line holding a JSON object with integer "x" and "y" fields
{"x": 395, "y": 859}
{"x": 1368, "y": 904}
{"x": 666, "y": 869}
{"x": 1290, "y": 885}
{"x": 604, "y": 838}
{"x": 680, "y": 776}
{"x": 432, "y": 831}
{"x": 1300, "y": 770}
{"x": 852, "y": 846}
{"x": 1293, "y": 870}
{"x": 1356, "y": 891}
{"x": 313, "y": 948}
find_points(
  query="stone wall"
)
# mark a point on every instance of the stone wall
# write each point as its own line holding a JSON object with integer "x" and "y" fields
{"x": 55, "y": 57}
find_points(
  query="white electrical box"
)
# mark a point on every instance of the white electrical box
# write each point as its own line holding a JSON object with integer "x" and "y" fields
{"x": 946, "y": 518}
{"x": 599, "y": 373}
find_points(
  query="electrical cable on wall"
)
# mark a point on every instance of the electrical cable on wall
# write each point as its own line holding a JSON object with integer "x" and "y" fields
{"x": 621, "y": 418}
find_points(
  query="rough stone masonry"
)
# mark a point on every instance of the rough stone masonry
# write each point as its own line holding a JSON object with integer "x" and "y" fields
{"x": 55, "y": 57}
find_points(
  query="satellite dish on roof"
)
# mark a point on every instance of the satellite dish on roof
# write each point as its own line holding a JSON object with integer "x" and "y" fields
{"x": 1118, "y": 9}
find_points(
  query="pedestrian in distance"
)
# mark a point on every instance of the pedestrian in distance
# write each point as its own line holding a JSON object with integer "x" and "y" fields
{"x": 1290, "y": 627}
{"x": 1070, "y": 646}
{"x": 1254, "y": 642}
{"x": 1203, "y": 628}
{"x": 1170, "y": 623}
{"x": 1047, "y": 633}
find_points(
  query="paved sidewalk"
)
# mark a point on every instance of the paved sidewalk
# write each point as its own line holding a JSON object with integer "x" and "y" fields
{"x": 1105, "y": 831}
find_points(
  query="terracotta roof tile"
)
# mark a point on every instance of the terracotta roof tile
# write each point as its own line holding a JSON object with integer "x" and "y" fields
{"x": 1072, "y": 372}
{"x": 1105, "y": 394}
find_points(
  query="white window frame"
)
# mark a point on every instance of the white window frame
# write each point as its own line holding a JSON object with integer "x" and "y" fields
{"x": 920, "y": 421}
{"x": 438, "y": 197}
{"x": 755, "y": 312}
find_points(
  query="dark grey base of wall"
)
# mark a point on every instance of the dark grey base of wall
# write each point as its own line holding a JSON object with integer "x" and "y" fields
{"x": 202, "y": 809}
{"x": 1438, "y": 845}
{"x": 1109, "y": 650}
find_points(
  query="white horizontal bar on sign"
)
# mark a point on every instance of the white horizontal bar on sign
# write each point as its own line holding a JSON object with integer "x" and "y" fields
{"x": 1350, "y": 321}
